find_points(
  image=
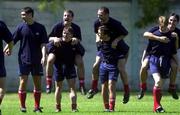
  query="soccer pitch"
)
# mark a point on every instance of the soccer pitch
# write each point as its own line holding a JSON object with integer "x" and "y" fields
{"x": 10, "y": 105}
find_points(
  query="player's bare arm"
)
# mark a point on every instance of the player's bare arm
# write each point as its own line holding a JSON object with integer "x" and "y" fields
{"x": 115, "y": 42}
{"x": 97, "y": 38}
{"x": 151, "y": 36}
{"x": 174, "y": 34}
{"x": 75, "y": 40}
{"x": 143, "y": 56}
{"x": 8, "y": 48}
{"x": 43, "y": 50}
{"x": 55, "y": 40}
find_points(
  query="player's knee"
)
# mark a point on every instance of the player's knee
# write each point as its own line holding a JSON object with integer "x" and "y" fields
{"x": 96, "y": 66}
{"x": 174, "y": 66}
{"x": 2, "y": 93}
{"x": 95, "y": 69}
{"x": 122, "y": 69}
{"x": 23, "y": 82}
{"x": 158, "y": 84}
{"x": 51, "y": 59}
{"x": 144, "y": 66}
{"x": 80, "y": 64}
{"x": 78, "y": 59}
{"x": 110, "y": 86}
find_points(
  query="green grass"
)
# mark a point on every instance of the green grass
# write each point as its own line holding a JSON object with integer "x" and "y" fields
{"x": 10, "y": 105}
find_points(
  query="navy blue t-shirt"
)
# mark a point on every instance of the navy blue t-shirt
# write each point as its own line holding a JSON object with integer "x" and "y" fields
{"x": 65, "y": 54}
{"x": 31, "y": 38}
{"x": 162, "y": 49}
{"x": 176, "y": 30}
{"x": 58, "y": 29}
{"x": 115, "y": 27}
{"x": 153, "y": 29}
{"x": 5, "y": 35}
{"x": 109, "y": 54}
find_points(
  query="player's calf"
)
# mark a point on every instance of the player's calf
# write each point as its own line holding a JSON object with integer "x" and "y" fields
{"x": 142, "y": 91}
{"x": 48, "y": 84}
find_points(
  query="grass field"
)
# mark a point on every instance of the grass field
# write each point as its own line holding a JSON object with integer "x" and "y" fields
{"x": 10, "y": 105}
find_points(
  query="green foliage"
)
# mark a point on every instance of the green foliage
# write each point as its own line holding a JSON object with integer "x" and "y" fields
{"x": 55, "y": 5}
{"x": 151, "y": 9}
{"x": 51, "y": 5}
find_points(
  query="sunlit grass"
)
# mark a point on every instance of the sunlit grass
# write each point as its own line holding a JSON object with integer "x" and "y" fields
{"x": 10, "y": 105}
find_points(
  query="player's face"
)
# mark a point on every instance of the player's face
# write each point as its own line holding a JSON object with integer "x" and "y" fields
{"x": 102, "y": 16}
{"x": 101, "y": 34}
{"x": 26, "y": 16}
{"x": 172, "y": 22}
{"x": 67, "y": 36}
{"x": 67, "y": 18}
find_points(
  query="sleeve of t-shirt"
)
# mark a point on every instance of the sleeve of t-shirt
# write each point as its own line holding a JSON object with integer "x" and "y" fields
{"x": 95, "y": 27}
{"x": 53, "y": 32}
{"x": 80, "y": 49}
{"x": 44, "y": 35}
{"x": 122, "y": 30}
{"x": 173, "y": 46}
{"x": 153, "y": 29}
{"x": 51, "y": 48}
{"x": 6, "y": 34}
{"x": 122, "y": 46}
{"x": 178, "y": 33}
{"x": 16, "y": 35}
{"x": 78, "y": 33}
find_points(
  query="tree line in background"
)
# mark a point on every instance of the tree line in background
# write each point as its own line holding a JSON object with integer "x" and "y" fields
{"x": 150, "y": 9}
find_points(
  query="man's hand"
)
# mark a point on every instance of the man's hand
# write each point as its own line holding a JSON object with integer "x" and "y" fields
{"x": 43, "y": 60}
{"x": 57, "y": 41}
{"x": 174, "y": 35}
{"x": 114, "y": 43}
{"x": 8, "y": 49}
{"x": 74, "y": 41}
{"x": 164, "y": 39}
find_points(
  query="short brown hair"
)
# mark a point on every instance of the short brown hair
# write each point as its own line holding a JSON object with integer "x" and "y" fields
{"x": 104, "y": 9}
{"x": 70, "y": 11}
{"x": 28, "y": 10}
{"x": 163, "y": 21}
